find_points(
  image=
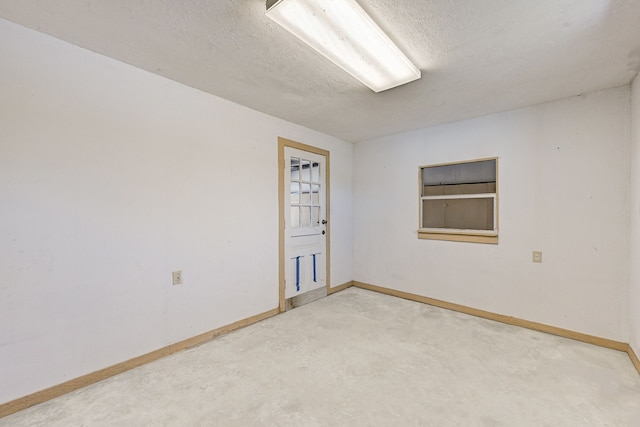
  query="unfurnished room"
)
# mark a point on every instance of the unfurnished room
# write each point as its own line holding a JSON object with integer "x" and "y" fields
{"x": 319, "y": 213}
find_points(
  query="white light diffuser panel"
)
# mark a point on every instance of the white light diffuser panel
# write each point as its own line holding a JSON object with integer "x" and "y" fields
{"x": 343, "y": 32}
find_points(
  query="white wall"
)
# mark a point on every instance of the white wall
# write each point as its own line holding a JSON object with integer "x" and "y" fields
{"x": 634, "y": 298}
{"x": 564, "y": 190}
{"x": 111, "y": 178}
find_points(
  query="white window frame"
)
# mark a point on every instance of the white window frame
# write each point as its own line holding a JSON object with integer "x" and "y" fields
{"x": 453, "y": 234}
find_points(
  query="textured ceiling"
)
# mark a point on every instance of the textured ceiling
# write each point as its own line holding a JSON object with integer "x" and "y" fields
{"x": 476, "y": 56}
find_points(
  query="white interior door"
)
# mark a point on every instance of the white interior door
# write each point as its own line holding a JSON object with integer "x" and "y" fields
{"x": 304, "y": 221}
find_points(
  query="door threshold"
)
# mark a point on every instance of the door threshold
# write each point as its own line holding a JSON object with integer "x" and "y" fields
{"x": 306, "y": 298}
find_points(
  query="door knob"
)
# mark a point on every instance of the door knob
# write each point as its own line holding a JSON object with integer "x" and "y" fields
{"x": 324, "y": 221}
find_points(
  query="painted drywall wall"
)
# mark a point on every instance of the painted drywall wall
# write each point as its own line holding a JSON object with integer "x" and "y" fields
{"x": 110, "y": 179}
{"x": 563, "y": 190}
{"x": 634, "y": 299}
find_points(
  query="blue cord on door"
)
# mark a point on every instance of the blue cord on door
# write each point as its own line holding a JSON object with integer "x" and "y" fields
{"x": 298, "y": 273}
{"x": 314, "y": 267}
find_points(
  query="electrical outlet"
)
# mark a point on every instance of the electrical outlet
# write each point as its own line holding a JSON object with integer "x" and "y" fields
{"x": 537, "y": 257}
{"x": 177, "y": 277}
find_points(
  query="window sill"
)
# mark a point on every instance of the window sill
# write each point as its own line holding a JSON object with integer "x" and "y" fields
{"x": 460, "y": 236}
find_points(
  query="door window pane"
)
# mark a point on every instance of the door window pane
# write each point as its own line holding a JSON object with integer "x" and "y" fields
{"x": 305, "y": 167}
{"x": 295, "y": 217}
{"x": 305, "y": 216}
{"x": 315, "y": 216}
{"x": 295, "y": 193}
{"x": 305, "y": 196}
{"x": 315, "y": 172}
{"x": 315, "y": 194}
{"x": 295, "y": 169}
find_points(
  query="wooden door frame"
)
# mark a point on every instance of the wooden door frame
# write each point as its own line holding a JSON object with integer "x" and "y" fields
{"x": 282, "y": 143}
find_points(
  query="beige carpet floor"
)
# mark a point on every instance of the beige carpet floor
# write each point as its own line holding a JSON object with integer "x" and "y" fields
{"x": 359, "y": 358}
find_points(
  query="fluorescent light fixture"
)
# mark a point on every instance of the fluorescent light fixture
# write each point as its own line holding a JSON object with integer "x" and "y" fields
{"x": 343, "y": 32}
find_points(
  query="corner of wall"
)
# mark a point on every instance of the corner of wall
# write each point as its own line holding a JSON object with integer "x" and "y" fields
{"x": 634, "y": 275}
